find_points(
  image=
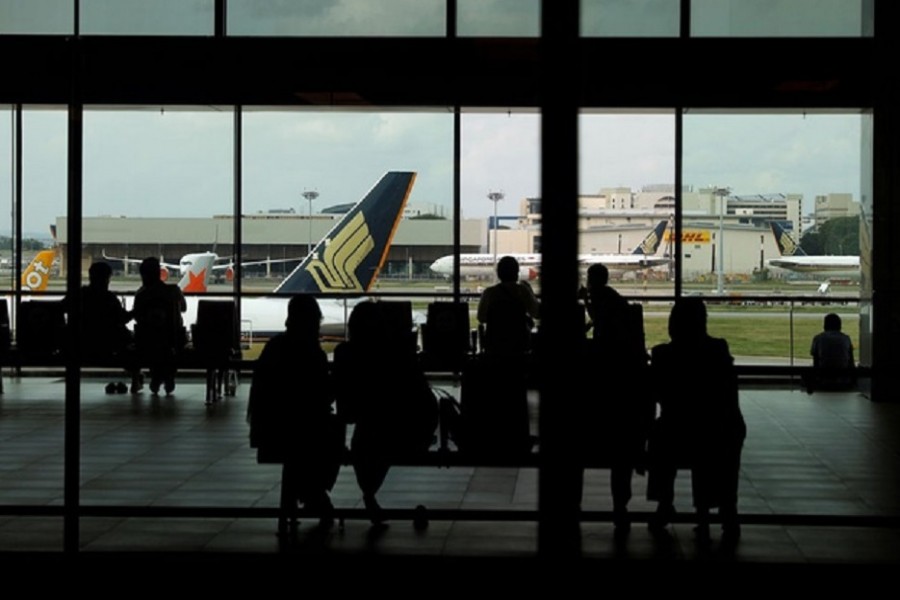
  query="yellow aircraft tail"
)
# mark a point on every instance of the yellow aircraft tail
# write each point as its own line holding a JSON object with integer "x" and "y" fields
{"x": 37, "y": 275}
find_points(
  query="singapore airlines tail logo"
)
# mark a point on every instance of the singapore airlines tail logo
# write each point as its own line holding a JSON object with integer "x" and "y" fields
{"x": 335, "y": 271}
{"x": 788, "y": 247}
{"x": 651, "y": 242}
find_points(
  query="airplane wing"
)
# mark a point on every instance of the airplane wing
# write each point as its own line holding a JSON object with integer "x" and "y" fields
{"x": 251, "y": 263}
{"x": 136, "y": 261}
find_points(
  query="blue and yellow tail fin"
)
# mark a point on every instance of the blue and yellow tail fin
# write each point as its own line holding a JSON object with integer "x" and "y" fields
{"x": 786, "y": 244}
{"x": 650, "y": 244}
{"x": 349, "y": 258}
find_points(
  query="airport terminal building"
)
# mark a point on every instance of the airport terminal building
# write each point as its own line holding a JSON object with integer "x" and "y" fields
{"x": 163, "y": 111}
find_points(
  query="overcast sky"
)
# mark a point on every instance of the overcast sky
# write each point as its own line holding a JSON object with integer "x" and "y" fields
{"x": 159, "y": 163}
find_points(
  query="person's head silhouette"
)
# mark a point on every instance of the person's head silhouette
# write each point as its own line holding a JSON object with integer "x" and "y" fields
{"x": 687, "y": 319}
{"x": 304, "y": 316}
{"x": 150, "y": 270}
{"x": 99, "y": 275}
{"x": 597, "y": 276}
{"x": 508, "y": 269}
{"x": 832, "y": 322}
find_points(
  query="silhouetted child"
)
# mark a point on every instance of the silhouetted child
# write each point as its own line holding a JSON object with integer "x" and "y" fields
{"x": 618, "y": 411}
{"x": 700, "y": 424}
{"x": 158, "y": 326}
{"x": 291, "y": 416}
{"x": 832, "y": 354}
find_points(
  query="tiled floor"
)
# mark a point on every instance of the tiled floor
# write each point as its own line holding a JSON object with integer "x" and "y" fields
{"x": 820, "y": 486}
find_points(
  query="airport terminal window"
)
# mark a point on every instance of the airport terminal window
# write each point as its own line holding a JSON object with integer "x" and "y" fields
{"x": 147, "y": 17}
{"x": 498, "y": 18}
{"x": 158, "y": 182}
{"x": 304, "y": 169}
{"x": 44, "y": 191}
{"x": 44, "y": 169}
{"x": 30, "y": 17}
{"x": 758, "y": 185}
{"x": 630, "y": 18}
{"x": 782, "y": 18}
{"x": 337, "y": 18}
{"x": 626, "y": 197}
{"x": 499, "y": 173}
{"x": 7, "y": 198}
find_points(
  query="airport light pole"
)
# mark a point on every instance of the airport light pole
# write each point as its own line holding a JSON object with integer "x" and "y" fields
{"x": 495, "y": 197}
{"x": 310, "y": 195}
{"x": 721, "y": 193}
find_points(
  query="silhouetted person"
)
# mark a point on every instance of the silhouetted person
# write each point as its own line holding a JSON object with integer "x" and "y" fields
{"x": 382, "y": 390}
{"x": 507, "y": 311}
{"x": 700, "y": 423}
{"x": 158, "y": 326}
{"x": 832, "y": 354}
{"x": 494, "y": 401}
{"x": 291, "y": 415}
{"x": 105, "y": 336}
{"x": 617, "y": 410}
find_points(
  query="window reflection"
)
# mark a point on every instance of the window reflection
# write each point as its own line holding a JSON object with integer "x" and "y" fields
{"x": 337, "y": 18}
{"x": 37, "y": 16}
{"x": 781, "y": 18}
{"x": 147, "y": 17}
{"x": 498, "y": 18}
{"x": 630, "y": 18}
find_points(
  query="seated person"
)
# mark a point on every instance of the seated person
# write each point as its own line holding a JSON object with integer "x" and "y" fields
{"x": 507, "y": 311}
{"x": 105, "y": 335}
{"x": 158, "y": 325}
{"x": 832, "y": 354}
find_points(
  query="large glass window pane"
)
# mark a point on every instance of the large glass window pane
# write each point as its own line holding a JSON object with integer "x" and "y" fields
{"x": 757, "y": 188}
{"x": 337, "y": 18}
{"x": 520, "y": 18}
{"x": 781, "y": 18}
{"x": 44, "y": 198}
{"x": 32, "y": 423}
{"x": 627, "y": 198}
{"x": 158, "y": 182}
{"x": 500, "y": 190}
{"x": 37, "y": 16}
{"x": 148, "y": 17}
{"x": 303, "y": 170}
{"x": 630, "y": 18}
{"x": 7, "y": 198}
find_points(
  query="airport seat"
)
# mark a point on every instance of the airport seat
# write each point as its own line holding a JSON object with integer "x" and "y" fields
{"x": 398, "y": 318}
{"x": 40, "y": 329}
{"x": 5, "y": 331}
{"x": 446, "y": 336}
{"x": 5, "y": 337}
{"x": 215, "y": 339}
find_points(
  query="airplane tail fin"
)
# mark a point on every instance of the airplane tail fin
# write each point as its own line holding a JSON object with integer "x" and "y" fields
{"x": 196, "y": 277}
{"x": 786, "y": 244}
{"x": 349, "y": 258}
{"x": 36, "y": 276}
{"x": 651, "y": 243}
